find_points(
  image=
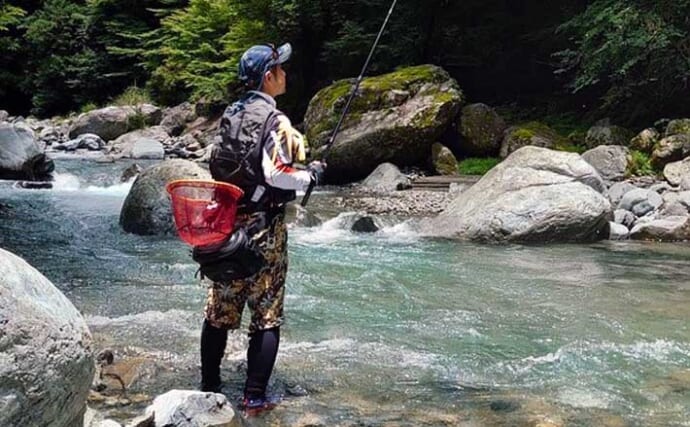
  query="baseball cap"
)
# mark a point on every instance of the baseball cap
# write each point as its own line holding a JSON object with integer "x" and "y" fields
{"x": 258, "y": 59}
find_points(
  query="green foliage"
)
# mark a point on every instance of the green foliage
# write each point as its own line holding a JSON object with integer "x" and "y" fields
{"x": 10, "y": 16}
{"x": 198, "y": 48}
{"x": 639, "y": 164}
{"x": 132, "y": 96}
{"x": 89, "y": 106}
{"x": 634, "y": 55}
{"x": 476, "y": 165}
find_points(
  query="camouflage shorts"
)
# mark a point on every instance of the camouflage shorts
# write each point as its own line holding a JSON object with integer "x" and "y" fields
{"x": 263, "y": 293}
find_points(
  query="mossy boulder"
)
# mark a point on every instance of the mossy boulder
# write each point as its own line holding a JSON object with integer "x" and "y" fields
{"x": 678, "y": 127}
{"x": 443, "y": 162}
{"x": 607, "y": 134}
{"x": 671, "y": 149}
{"x": 481, "y": 130}
{"x": 394, "y": 118}
{"x": 533, "y": 133}
{"x": 111, "y": 122}
{"x": 645, "y": 141}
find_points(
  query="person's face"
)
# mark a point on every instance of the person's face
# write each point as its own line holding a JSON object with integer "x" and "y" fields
{"x": 275, "y": 81}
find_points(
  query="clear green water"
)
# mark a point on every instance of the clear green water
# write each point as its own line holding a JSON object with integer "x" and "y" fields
{"x": 386, "y": 329}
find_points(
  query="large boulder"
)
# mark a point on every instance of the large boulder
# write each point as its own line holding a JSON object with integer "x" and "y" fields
{"x": 187, "y": 408}
{"x": 604, "y": 133}
{"x": 533, "y": 133}
{"x": 535, "y": 195}
{"x": 111, "y": 122}
{"x": 21, "y": 157}
{"x": 147, "y": 143}
{"x": 671, "y": 149}
{"x": 676, "y": 171}
{"x": 611, "y": 161}
{"x": 394, "y": 118}
{"x": 147, "y": 210}
{"x": 46, "y": 361}
{"x": 176, "y": 118}
{"x": 481, "y": 130}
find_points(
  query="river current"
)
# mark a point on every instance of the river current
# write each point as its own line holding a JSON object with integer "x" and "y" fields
{"x": 385, "y": 328}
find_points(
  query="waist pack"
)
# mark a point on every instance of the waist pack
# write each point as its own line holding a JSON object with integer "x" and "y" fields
{"x": 238, "y": 257}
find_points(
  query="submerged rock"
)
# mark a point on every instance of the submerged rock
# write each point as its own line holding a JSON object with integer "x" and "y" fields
{"x": 365, "y": 224}
{"x": 535, "y": 195}
{"x": 147, "y": 210}
{"x": 45, "y": 350}
{"x": 394, "y": 118}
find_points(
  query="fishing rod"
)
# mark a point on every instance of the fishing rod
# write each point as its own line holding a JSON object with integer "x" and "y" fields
{"x": 331, "y": 140}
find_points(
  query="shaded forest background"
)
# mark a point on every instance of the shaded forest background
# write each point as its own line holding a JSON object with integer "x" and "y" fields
{"x": 627, "y": 60}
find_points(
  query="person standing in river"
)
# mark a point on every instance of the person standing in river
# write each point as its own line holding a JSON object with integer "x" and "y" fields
{"x": 257, "y": 150}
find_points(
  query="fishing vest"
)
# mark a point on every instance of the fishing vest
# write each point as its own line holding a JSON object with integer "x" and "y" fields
{"x": 237, "y": 158}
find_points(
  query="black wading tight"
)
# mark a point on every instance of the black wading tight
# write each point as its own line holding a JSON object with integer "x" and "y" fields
{"x": 213, "y": 341}
{"x": 261, "y": 356}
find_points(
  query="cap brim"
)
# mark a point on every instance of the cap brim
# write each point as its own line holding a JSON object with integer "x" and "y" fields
{"x": 284, "y": 53}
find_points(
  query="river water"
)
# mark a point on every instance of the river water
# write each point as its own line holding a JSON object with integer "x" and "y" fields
{"x": 388, "y": 328}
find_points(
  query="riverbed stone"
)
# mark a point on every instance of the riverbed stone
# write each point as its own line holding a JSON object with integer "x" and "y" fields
{"x": 604, "y": 133}
{"x": 675, "y": 172}
{"x": 141, "y": 142}
{"x": 671, "y": 149}
{"x": 678, "y": 127}
{"x": 618, "y": 231}
{"x": 386, "y": 178}
{"x": 176, "y": 118}
{"x": 147, "y": 210}
{"x": 46, "y": 361}
{"x": 443, "y": 162}
{"x": 626, "y": 218}
{"x": 611, "y": 161}
{"x": 187, "y": 408}
{"x": 669, "y": 229}
{"x": 645, "y": 140}
{"x": 616, "y": 192}
{"x": 533, "y": 133}
{"x": 395, "y": 118}
{"x": 535, "y": 195}
{"x": 641, "y": 201}
{"x": 365, "y": 224}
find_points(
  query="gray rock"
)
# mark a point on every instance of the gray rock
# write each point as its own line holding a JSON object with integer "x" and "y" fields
{"x": 645, "y": 140}
{"x": 46, "y": 361}
{"x": 618, "y": 190}
{"x": 4, "y": 115}
{"x": 386, "y": 178}
{"x": 623, "y": 217}
{"x": 21, "y": 157}
{"x": 378, "y": 129}
{"x": 611, "y": 161}
{"x": 148, "y": 420}
{"x": 176, "y": 118}
{"x": 640, "y": 201}
{"x": 535, "y": 194}
{"x": 111, "y": 122}
{"x": 481, "y": 130}
{"x": 618, "y": 231}
{"x": 89, "y": 141}
{"x": 685, "y": 183}
{"x": 51, "y": 135}
{"x": 675, "y": 172}
{"x": 147, "y": 148}
{"x": 365, "y": 224}
{"x": 126, "y": 145}
{"x": 661, "y": 187}
{"x": 130, "y": 172}
{"x": 606, "y": 134}
{"x": 674, "y": 208}
{"x": 678, "y": 127}
{"x": 93, "y": 418}
{"x": 671, "y": 149}
{"x": 147, "y": 210}
{"x": 670, "y": 229}
{"x": 185, "y": 408}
